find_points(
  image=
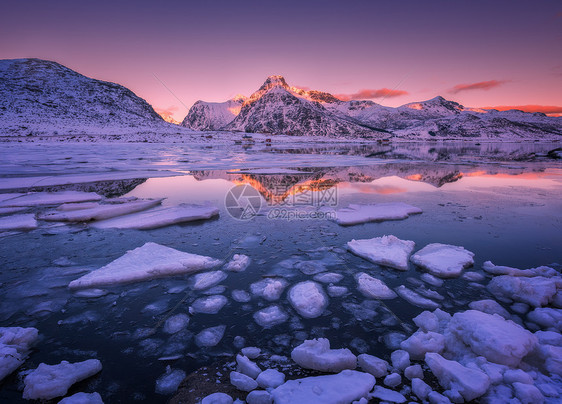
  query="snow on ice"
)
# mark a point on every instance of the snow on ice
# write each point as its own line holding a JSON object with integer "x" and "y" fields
{"x": 316, "y": 354}
{"x": 238, "y": 263}
{"x": 308, "y": 299}
{"x": 206, "y": 280}
{"x": 15, "y": 343}
{"x": 50, "y": 198}
{"x": 209, "y": 304}
{"x": 372, "y": 287}
{"x": 415, "y": 298}
{"x": 357, "y": 214}
{"x": 269, "y": 288}
{"x": 388, "y": 251}
{"x": 25, "y": 221}
{"x": 50, "y": 381}
{"x": 270, "y": 316}
{"x": 147, "y": 262}
{"x": 211, "y": 336}
{"x": 169, "y": 382}
{"x": 160, "y": 217}
{"x": 443, "y": 260}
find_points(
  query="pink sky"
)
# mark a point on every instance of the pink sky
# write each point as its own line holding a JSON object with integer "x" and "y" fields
{"x": 481, "y": 54}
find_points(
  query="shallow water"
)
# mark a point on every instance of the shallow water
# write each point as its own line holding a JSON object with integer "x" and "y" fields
{"x": 475, "y": 196}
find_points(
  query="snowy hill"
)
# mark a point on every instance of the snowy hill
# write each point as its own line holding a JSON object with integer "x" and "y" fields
{"x": 43, "y": 97}
{"x": 213, "y": 115}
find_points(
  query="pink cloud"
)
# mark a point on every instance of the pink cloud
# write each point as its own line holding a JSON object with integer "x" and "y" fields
{"x": 552, "y": 110}
{"x": 368, "y": 94}
{"x": 481, "y": 85}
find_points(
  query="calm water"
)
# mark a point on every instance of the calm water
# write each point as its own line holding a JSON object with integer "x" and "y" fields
{"x": 501, "y": 201}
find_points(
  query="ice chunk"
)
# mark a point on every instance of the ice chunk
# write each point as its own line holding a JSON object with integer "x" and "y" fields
{"x": 308, "y": 299}
{"x": 432, "y": 280}
{"x": 209, "y": 305}
{"x": 270, "y": 316}
{"x": 176, "y": 323}
{"x": 259, "y": 397}
{"x": 90, "y": 293}
{"x": 316, "y": 354}
{"x": 373, "y": 365}
{"x": 489, "y": 306}
{"x": 147, "y": 262}
{"x": 419, "y": 343}
{"x": 357, "y": 214}
{"x": 242, "y": 382}
{"x": 372, "y": 287}
{"x": 241, "y": 296}
{"x": 24, "y": 221}
{"x": 50, "y": 198}
{"x": 528, "y": 394}
{"x": 387, "y": 395}
{"x": 328, "y": 277}
{"x": 400, "y": 359}
{"x": 169, "y": 382}
{"x": 498, "y": 340}
{"x": 217, "y": 398}
{"x": 489, "y": 267}
{"x": 517, "y": 375}
{"x": 537, "y": 291}
{"x": 210, "y": 336}
{"x": 413, "y": 372}
{"x": 473, "y": 276}
{"x": 247, "y": 367}
{"x": 82, "y": 398}
{"x": 344, "y": 387}
{"x": 161, "y": 217}
{"x": 269, "y": 288}
{"x": 470, "y": 383}
{"x": 311, "y": 267}
{"x": 208, "y": 279}
{"x": 101, "y": 212}
{"x": 270, "y": 378}
{"x": 420, "y": 389}
{"x": 392, "y": 380}
{"x": 336, "y": 291}
{"x": 427, "y": 321}
{"x": 547, "y": 317}
{"x": 388, "y": 251}
{"x": 50, "y": 381}
{"x": 443, "y": 260}
{"x": 238, "y": 263}
{"x": 415, "y": 298}
{"x": 15, "y": 343}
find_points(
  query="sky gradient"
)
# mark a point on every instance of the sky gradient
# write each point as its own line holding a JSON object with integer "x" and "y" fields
{"x": 478, "y": 53}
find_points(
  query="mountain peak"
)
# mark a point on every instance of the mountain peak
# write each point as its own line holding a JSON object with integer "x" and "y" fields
{"x": 275, "y": 80}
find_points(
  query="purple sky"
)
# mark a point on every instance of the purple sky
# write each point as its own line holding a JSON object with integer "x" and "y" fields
{"x": 479, "y": 53}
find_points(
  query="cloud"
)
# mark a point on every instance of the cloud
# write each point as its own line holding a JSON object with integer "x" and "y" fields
{"x": 167, "y": 113}
{"x": 368, "y": 94}
{"x": 482, "y": 85}
{"x": 545, "y": 109}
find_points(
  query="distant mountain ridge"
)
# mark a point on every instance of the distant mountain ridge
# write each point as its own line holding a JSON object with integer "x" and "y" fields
{"x": 38, "y": 95}
{"x": 278, "y": 108}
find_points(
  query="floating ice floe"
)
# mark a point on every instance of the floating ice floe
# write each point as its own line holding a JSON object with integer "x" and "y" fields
{"x": 238, "y": 263}
{"x": 470, "y": 383}
{"x": 373, "y": 288}
{"x": 270, "y": 316}
{"x": 15, "y": 343}
{"x": 311, "y": 267}
{"x": 217, "y": 398}
{"x": 209, "y": 305}
{"x": 208, "y": 279}
{"x": 100, "y": 212}
{"x": 316, "y": 354}
{"x": 242, "y": 382}
{"x": 443, "y": 260}
{"x": 415, "y": 298}
{"x": 432, "y": 280}
{"x": 50, "y": 381}
{"x": 498, "y": 340}
{"x": 536, "y": 291}
{"x": 50, "y": 198}
{"x": 176, "y": 323}
{"x": 147, "y": 262}
{"x": 211, "y": 336}
{"x": 356, "y": 214}
{"x": 169, "y": 382}
{"x": 373, "y": 365}
{"x": 344, "y": 387}
{"x": 308, "y": 299}
{"x": 420, "y": 343}
{"x": 489, "y": 306}
{"x": 547, "y": 317}
{"x": 388, "y": 251}
{"x": 387, "y": 395}
{"x": 247, "y": 367}
{"x": 82, "y": 398}
{"x": 25, "y": 221}
{"x": 270, "y": 378}
{"x": 489, "y": 267}
{"x": 161, "y": 217}
{"x": 241, "y": 296}
{"x": 269, "y": 288}
{"x": 328, "y": 277}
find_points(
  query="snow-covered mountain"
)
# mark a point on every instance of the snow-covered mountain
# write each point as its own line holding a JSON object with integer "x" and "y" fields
{"x": 213, "y": 115}
{"x": 39, "y": 97}
{"x": 278, "y": 108}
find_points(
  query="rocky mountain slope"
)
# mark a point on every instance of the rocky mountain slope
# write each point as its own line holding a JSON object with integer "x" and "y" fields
{"x": 41, "y": 97}
{"x": 213, "y": 115}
